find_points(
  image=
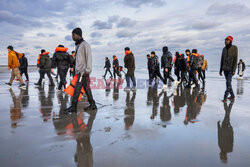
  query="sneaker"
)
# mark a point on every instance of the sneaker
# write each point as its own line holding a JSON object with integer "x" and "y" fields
{"x": 16, "y": 79}
{"x": 127, "y": 89}
{"x": 23, "y": 86}
{"x": 26, "y": 80}
{"x": 176, "y": 83}
{"x": 164, "y": 87}
{"x": 192, "y": 86}
{"x": 43, "y": 80}
{"x": 133, "y": 89}
{"x": 8, "y": 84}
{"x": 224, "y": 101}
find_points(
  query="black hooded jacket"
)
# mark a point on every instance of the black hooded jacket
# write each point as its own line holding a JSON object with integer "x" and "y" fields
{"x": 62, "y": 60}
{"x": 23, "y": 63}
{"x": 166, "y": 60}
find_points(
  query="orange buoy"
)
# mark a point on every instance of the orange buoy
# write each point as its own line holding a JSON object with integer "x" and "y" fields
{"x": 71, "y": 88}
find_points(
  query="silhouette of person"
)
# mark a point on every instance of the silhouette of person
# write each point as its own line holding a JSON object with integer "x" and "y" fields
{"x": 46, "y": 102}
{"x": 165, "y": 110}
{"x": 74, "y": 125}
{"x": 15, "y": 109}
{"x": 225, "y": 133}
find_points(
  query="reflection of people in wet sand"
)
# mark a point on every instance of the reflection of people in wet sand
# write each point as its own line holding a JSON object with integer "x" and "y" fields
{"x": 15, "y": 111}
{"x": 129, "y": 112}
{"x": 117, "y": 84}
{"x": 153, "y": 97}
{"x": 165, "y": 110}
{"x": 240, "y": 88}
{"x": 46, "y": 102}
{"x": 74, "y": 125}
{"x": 179, "y": 99}
{"x": 25, "y": 98}
{"x": 194, "y": 104}
{"x": 225, "y": 133}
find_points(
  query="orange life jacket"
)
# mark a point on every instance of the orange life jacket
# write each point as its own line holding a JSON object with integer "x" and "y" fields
{"x": 61, "y": 49}
{"x": 71, "y": 88}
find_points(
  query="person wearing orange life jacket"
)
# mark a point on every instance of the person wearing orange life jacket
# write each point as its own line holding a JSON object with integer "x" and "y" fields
{"x": 116, "y": 67}
{"x": 13, "y": 65}
{"x": 193, "y": 67}
{"x": 44, "y": 68}
{"x": 62, "y": 61}
{"x": 129, "y": 63}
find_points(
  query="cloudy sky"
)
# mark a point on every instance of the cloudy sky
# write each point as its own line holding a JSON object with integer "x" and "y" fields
{"x": 111, "y": 25}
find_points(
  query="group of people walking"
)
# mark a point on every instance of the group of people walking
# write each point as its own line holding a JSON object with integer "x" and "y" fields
{"x": 185, "y": 69}
{"x": 189, "y": 70}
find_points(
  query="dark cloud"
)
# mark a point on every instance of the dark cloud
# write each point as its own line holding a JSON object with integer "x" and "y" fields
{"x": 68, "y": 38}
{"x": 139, "y": 3}
{"x": 98, "y": 24}
{"x": 40, "y": 34}
{"x": 96, "y": 35}
{"x": 126, "y": 34}
{"x": 18, "y": 20}
{"x": 235, "y": 9}
{"x": 71, "y": 25}
{"x": 126, "y": 22}
{"x": 203, "y": 25}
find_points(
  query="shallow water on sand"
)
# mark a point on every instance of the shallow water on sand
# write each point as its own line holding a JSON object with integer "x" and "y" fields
{"x": 146, "y": 128}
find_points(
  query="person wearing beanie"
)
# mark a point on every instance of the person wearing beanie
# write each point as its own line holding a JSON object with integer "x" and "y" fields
{"x": 83, "y": 69}
{"x": 228, "y": 65}
{"x": 166, "y": 64}
{"x": 44, "y": 68}
{"x": 156, "y": 70}
{"x": 62, "y": 61}
{"x": 107, "y": 66}
{"x": 129, "y": 63}
{"x": 13, "y": 65}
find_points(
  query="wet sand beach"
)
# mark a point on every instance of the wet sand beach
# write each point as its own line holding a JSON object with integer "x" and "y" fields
{"x": 147, "y": 128}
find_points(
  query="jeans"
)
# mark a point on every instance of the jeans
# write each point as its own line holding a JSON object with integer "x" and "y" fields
{"x": 130, "y": 75}
{"x": 108, "y": 70}
{"x": 229, "y": 89}
{"x": 42, "y": 73}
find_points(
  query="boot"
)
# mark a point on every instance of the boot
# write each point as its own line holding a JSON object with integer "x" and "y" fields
{"x": 72, "y": 109}
{"x": 92, "y": 106}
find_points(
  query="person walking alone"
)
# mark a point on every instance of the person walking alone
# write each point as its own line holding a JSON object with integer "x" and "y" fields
{"x": 228, "y": 65}
{"x": 83, "y": 70}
